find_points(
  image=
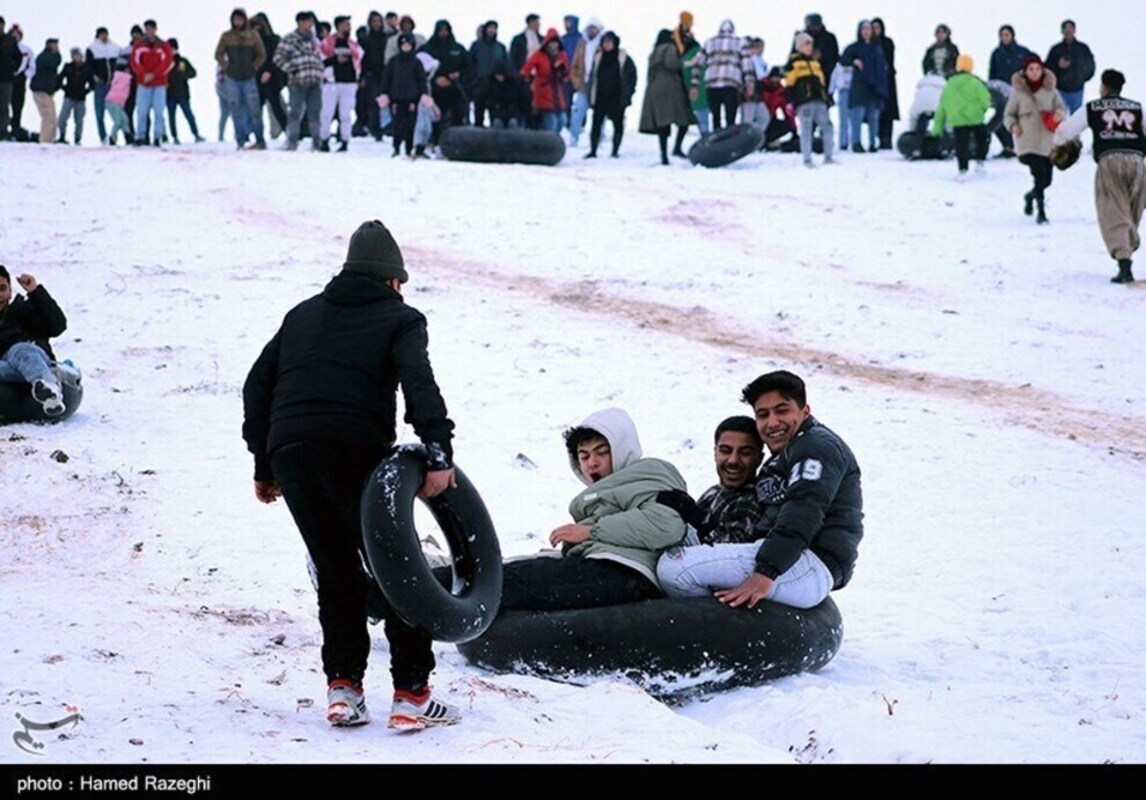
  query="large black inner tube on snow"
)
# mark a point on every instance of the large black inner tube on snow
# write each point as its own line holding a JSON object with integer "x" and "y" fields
{"x": 394, "y": 550}
{"x": 725, "y": 146}
{"x": 18, "y": 405}
{"x": 502, "y": 146}
{"x": 674, "y": 649}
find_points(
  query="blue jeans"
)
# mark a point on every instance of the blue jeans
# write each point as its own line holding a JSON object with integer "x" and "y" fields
{"x": 246, "y": 109}
{"x": 1072, "y": 100}
{"x": 25, "y": 362}
{"x": 100, "y": 95}
{"x": 845, "y": 118}
{"x": 553, "y": 120}
{"x": 700, "y": 570}
{"x": 147, "y": 99}
{"x": 870, "y": 114}
{"x": 578, "y": 115}
{"x": 703, "y": 120}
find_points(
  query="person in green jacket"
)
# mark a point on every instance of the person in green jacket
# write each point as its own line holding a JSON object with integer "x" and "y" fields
{"x": 609, "y": 552}
{"x": 963, "y": 107}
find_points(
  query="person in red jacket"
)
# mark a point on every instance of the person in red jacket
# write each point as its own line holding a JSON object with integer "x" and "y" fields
{"x": 151, "y": 61}
{"x": 547, "y": 70}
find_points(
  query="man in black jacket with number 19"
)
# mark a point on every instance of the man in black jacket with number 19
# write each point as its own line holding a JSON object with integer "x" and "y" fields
{"x": 320, "y": 408}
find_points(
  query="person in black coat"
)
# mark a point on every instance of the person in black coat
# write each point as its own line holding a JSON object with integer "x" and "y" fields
{"x": 76, "y": 81}
{"x": 372, "y": 38}
{"x": 1073, "y": 65}
{"x": 320, "y": 408}
{"x": 26, "y": 326}
{"x": 507, "y": 98}
{"x": 825, "y": 46}
{"x": 403, "y": 84}
{"x": 890, "y": 112}
{"x": 271, "y": 78}
{"x": 9, "y": 63}
{"x": 179, "y": 92}
{"x": 1006, "y": 60}
{"x": 611, "y": 91}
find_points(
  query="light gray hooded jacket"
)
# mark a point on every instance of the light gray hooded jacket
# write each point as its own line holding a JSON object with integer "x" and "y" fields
{"x": 627, "y": 524}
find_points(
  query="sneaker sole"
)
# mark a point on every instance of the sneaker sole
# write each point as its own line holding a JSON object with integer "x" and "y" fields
{"x": 407, "y": 724}
{"x": 341, "y": 715}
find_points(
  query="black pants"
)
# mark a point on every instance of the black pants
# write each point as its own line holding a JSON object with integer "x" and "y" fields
{"x": 618, "y": 122}
{"x": 971, "y": 142}
{"x": 271, "y": 94}
{"x": 19, "y": 94}
{"x": 728, "y": 98}
{"x": 454, "y": 105}
{"x": 565, "y": 584}
{"x": 1042, "y": 170}
{"x": 322, "y": 484}
{"x": 1005, "y": 138}
{"x": 403, "y": 125}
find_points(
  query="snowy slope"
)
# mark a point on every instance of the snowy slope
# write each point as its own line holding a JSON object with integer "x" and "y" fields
{"x": 982, "y": 369}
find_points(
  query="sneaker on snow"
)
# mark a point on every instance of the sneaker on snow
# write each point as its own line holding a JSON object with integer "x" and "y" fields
{"x": 833, "y": 162}
{"x": 411, "y": 712}
{"x": 809, "y": 164}
{"x": 345, "y": 704}
{"x": 50, "y": 395}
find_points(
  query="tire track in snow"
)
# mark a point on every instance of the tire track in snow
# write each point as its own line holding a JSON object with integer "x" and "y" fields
{"x": 1022, "y": 406}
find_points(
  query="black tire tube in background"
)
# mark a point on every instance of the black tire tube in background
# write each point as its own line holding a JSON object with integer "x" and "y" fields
{"x": 18, "y": 405}
{"x": 394, "y": 550}
{"x": 721, "y": 148}
{"x": 674, "y": 649}
{"x": 502, "y": 146}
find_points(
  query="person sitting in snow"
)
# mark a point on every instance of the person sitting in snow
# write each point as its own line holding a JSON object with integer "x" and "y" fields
{"x": 610, "y": 550}
{"x": 807, "y": 538}
{"x": 728, "y": 511}
{"x": 26, "y": 325}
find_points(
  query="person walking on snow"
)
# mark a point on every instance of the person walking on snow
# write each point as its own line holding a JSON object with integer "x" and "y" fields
{"x": 1120, "y": 180}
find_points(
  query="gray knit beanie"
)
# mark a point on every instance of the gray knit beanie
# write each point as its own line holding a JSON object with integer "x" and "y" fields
{"x": 373, "y": 251}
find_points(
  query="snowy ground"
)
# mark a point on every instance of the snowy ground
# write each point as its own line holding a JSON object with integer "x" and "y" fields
{"x": 984, "y": 371}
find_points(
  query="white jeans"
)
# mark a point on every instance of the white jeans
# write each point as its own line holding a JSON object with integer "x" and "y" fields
{"x": 699, "y": 571}
{"x": 343, "y": 97}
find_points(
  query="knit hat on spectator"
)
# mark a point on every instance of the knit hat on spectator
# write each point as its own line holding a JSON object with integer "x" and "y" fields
{"x": 803, "y": 39}
{"x": 964, "y": 63}
{"x": 373, "y": 251}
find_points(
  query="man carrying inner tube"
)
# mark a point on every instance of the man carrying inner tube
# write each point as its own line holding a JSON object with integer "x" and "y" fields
{"x": 806, "y": 539}
{"x": 320, "y": 407}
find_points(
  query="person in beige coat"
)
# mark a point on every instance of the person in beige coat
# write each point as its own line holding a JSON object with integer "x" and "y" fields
{"x": 1032, "y": 114}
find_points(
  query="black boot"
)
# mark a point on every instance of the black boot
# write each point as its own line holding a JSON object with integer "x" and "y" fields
{"x": 343, "y": 145}
{"x": 1124, "y": 274}
{"x": 1029, "y": 203}
{"x": 1041, "y": 219}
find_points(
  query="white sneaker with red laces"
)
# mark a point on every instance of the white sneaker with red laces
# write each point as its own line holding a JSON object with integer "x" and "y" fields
{"x": 346, "y": 704}
{"x": 413, "y": 712}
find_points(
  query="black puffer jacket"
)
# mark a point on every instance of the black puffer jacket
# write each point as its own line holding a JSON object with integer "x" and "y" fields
{"x": 35, "y": 318}
{"x": 331, "y": 373}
